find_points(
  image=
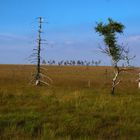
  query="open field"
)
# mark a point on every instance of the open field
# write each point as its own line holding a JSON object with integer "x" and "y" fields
{"x": 71, "y": 108}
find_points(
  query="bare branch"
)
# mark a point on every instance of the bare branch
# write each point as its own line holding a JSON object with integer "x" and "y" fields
{"x": 45, "y": 83}
{"x": 44, "y": 69}
{"x": 117, "y": 83}
{"x": 43, "y": 75}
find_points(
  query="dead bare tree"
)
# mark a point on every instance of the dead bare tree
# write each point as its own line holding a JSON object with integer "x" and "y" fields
{"x": 40, "y": 75}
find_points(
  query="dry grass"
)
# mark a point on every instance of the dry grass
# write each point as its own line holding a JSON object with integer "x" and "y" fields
{"x": 70, "y": 109}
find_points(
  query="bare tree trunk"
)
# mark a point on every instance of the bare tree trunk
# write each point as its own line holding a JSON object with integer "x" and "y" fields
{"x": 113, "y": 89}
{"x": 114, "y": 80}
{"x": 38, "y": 53}
{"x": 139, "y": 81}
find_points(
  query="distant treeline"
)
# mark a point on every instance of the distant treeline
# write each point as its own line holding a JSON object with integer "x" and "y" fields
{"x": 72, "y": 62}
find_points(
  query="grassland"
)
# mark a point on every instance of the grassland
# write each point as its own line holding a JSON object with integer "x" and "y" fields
{"x": 70, "y": 109}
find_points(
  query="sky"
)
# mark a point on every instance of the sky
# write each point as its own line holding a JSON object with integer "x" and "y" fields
{"x": 68, "y": 28}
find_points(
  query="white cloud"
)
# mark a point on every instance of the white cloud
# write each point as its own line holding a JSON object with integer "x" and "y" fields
{"x": 9, "y": 37}
{"x": 68, "y": 42}
{"x": 134, "y": 38}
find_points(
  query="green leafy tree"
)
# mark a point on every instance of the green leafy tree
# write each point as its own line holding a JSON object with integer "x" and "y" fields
{"x": 112, "y": 49}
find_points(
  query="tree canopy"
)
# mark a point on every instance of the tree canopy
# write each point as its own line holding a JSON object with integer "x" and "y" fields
{"x": 109, "y": 32}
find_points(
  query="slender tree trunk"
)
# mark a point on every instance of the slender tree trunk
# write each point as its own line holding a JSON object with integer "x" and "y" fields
{"x": 139, "y": 81}
{"x": 113, "y": 85}
{"x": 114, "y": 80}
{"x": 38, "y": 53}
{"x": 113, "y": 90}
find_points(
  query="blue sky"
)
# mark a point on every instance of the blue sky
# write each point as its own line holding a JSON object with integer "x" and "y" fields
{"x": 70, "y": 30}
